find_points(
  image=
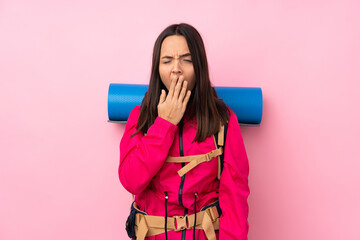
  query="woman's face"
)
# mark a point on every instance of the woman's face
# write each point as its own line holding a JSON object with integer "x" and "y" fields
{"x": 175, "y": 60}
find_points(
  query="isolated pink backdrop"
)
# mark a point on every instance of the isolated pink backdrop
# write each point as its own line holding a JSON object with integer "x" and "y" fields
{"x": 59, "y": 155}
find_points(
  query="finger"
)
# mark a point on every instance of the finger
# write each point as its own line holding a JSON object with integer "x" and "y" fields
{"x": 183, "y": 91}
{"x": 186, "y": 100}
{"x": 178, "y": 87}
{"x": 172, "y": 87}
{"x": 162, "y": 96}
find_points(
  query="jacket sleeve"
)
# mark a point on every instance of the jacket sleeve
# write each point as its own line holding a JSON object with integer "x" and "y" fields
{"x": 234, "y": 189}
{"x": 141, "y": 157}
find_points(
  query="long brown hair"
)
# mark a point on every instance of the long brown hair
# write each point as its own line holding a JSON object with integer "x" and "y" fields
{"x": 209, "y": 109}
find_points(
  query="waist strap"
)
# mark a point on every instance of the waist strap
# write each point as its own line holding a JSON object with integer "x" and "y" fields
{"x": 147, "y": 225}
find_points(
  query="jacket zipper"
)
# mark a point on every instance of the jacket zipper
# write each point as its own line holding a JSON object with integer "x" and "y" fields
{"x": 183, "y": 177}
{"x": 182, "y": 164}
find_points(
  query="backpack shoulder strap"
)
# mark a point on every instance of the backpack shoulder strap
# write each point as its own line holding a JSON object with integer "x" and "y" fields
{"x": 220, "y": 142}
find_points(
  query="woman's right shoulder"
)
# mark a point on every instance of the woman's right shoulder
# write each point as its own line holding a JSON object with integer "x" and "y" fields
{"x": 133, "y": 118}
{"x": 134, "y": 114}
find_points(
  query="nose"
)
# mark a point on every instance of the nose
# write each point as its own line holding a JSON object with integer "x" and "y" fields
{"x": 176, "y": 68}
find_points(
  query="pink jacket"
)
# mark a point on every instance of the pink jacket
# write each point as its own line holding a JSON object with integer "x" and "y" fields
{"x": 144, "y": 173}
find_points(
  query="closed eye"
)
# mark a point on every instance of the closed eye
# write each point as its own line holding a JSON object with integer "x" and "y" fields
{"x": 184, "y": 60}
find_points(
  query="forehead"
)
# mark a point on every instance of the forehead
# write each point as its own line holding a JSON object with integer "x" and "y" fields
{"x": 174, "y": 45}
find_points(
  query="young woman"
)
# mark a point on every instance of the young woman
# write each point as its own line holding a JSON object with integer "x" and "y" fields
{"x": 182, "y": 154}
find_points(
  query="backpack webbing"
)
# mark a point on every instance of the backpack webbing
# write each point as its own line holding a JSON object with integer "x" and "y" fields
{"x": 216, "y": 142}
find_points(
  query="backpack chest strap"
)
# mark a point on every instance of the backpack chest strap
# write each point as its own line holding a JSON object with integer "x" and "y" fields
{"x": 194, "y": 160}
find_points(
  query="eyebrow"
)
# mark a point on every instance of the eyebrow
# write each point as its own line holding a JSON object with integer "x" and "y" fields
{"x": 184, "y": 55}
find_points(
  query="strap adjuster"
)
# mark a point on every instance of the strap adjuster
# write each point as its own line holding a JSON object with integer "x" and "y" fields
{"x": 211, "y": 214}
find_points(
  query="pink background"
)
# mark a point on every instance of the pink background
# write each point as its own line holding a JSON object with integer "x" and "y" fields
{"x": 59, "y": 155}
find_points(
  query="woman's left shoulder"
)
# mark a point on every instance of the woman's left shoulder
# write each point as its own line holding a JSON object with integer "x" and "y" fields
{"x": 232, "y": 116}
